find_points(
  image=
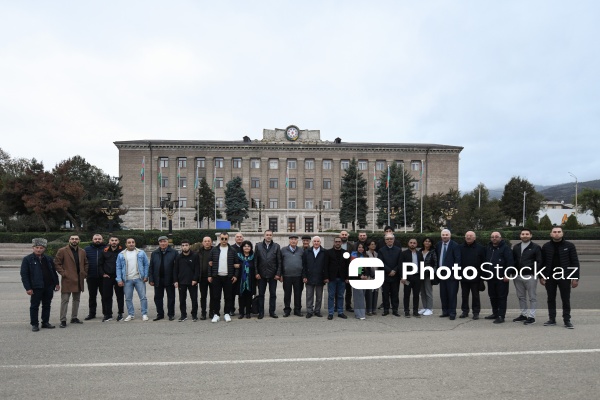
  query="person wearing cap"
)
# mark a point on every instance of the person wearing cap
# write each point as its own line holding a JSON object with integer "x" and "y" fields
{"x": 72, "y": 264}
{"x": 40, "y": 281}
{"x": 305, "y": 242}
{"x": 291, "y": 275}
{"x": 160, "y": 275}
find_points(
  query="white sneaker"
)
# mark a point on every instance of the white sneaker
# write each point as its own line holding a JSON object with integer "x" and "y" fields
{"x": 227, "y": 318}
{"x": 428, "y": 312}
{"x": 144, "y": 318}
{"x": 421, "y": 311}
{"x": 216, "y": 318}
{"x": 129, "y": 318}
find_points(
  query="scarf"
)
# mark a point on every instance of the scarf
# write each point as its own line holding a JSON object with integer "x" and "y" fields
{"x": 245, "y": 279}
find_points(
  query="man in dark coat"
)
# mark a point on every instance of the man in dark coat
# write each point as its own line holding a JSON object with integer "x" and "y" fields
{"x": 499, "y": 256}
{"x": 391, "y": 256}
{"x": 448, "y": 254}
{"x": 108, "y": 268}
{"x": 186, "y": 274}
{"x": 72, "y": 265}
{"x": 40, "y": 282}
{"x": 94, "y": 278}
{"x": 336, "y": 278}
{"x": 314, "y": 268}
{"x": 204, "y": 257}
{"x": 412, "y": 283}
{"x": 472, "y": 255}
{"x": 268, "y": 272}
{"x": 528, "y": 257}
{"x": 160, "y": 275}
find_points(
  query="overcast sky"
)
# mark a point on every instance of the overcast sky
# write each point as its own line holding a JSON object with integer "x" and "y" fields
{"x": 514, "y": 82}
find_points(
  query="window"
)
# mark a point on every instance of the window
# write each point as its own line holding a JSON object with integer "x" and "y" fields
{"x": 182, "y": 182}
{"x": 327, "y": 164}
{"x": 327, "y": 204}
{"x": 220, "y": 202}
{"x": 415, "y": 186}
{"x": 326, "y": 183}
{"x": 255, "y": 163}
{"x": 164, "y": 222}
{"x": 292, "y": 204}
{"x": 399, "y": 162}
{"x": 415, "y": 165}
{"x": 273, "y": 164}
{"x": 292, "y": 183}
{"x": 309, "y": 224}
{"x": 291, "y": 163}
{"x": 379, "y": 165}
{"x": 201, "y": 162}
{"x": 236, "y": 163}
{"x": 182, "y": 202}
{"x": 326, "y": 223}
{"x": 182, "y": 162}
{"x": 164, "y": 182}
{"x": 273, "y": 224}
{"x": 362, "y": 165}
{"x": 273, "y": 203}
{"x": 163, "y": 162}
{"x": 254, "y": 182}
{"x": 345, "y": 226}
{"x": 344, "y": 164}
{"x": 182, "y": 222}
{"x": 218, "y": 183}
{"x": 309, "y": 183}
{"x": 309, "y": 164}
{"x": 273, "y": 183}
{"x": 292, "y": 224}
{"x": 218, "y": 163}
{"x": 308, "y": 203}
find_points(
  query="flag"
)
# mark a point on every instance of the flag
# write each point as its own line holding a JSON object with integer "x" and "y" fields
{"x": 287, "y": 177}
{"x": 159, "y": 174}
{"x": 196, "y": 181}
{"x": 143, "y": 170}
{"x": 178, "y": 174}
{"x": 387, "y": 183}
{"x": 374, "y": 178}
{"x": 215, "y": 179}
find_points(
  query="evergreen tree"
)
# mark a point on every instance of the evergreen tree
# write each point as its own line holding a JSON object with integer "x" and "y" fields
{"x": 511, "y": 202}
{"x": 545, "y": 223}
{"x": 571, "y": 223}
{"x": 353, "y": 197}
{"x": 589, "y": 200}
{"x": 398, "y": 187}
{"x": 236, "y": 203}
{"x": 206, "y": 199}
{"x": 476, "y": 211}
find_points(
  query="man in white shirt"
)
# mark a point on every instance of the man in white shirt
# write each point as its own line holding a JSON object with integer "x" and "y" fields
{"x": 132, "y": 272}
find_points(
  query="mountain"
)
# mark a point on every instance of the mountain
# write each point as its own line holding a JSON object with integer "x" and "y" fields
{"x": 563, "y": 192}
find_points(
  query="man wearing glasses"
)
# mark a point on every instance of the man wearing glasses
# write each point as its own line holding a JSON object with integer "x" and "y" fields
{"x": 392, "y": 263}
{"x": 222, "y": 276}
{"x": 499, "y": 255}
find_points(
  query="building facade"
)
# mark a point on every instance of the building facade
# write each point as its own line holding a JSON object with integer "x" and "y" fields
{"x": 291, "y": 173}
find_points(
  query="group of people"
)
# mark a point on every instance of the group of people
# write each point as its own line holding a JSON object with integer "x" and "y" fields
{"x": 244, "y": 270}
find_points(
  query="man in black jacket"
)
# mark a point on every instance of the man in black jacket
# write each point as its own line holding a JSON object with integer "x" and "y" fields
{"x": 108, "y": 268}
{"x": 224, "y": 270}
{"x": 412, "y": 282}
{"x": 562, "y": 272}
{"x": 204, "y": 256}
{"x": 448, "y": 254}
{"x": 160, "y": 275}
{"x": 94, "y": 277}
{"x": 336, "y": 278}
{"x": 186, "y": 274}
{"x": 391, "y": 256}
{"x": 268, "y": 272}
{"x": 528, "y": 257}
{"x": 314, "y": 269}
{"x": 472, "y": 254}
{"x": 499, "y": 255}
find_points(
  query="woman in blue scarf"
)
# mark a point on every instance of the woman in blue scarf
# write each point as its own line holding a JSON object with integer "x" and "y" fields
{"x": 247, "y": 272}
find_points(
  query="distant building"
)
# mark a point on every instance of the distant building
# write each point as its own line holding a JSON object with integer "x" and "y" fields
{"x": 313, "y": 169}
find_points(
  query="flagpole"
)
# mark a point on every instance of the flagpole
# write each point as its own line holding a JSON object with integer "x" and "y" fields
{"x": 287, "y": 196}
{"x": 374, "y": 183}
{"x": 387, "y": 184}
{"x": 178, "y": 193}
{"x": 215, "y": 192}
{"x": 144, "y": 180}
{"x": 197, "y": 199}
{"x": 160, "y": 184}
{"x": 404, "y": 199}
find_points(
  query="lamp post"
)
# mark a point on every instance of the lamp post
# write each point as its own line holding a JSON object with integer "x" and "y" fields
{"x": 576, "y": 184}
{"x": 260, "y": 207}
{"x": 110, "y": 212}
{"x": 169, "y": 207}
{"x": 392, "y": 214}
{"x": 449, "y": 212}
{"x": 320, "y": 207}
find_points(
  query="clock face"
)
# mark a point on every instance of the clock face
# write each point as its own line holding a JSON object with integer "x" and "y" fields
{"x": 292, "y": 133}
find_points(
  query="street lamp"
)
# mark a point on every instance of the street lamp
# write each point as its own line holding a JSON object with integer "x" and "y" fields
{"x": 392, "y": 214}
{"x": 320, "y": 207}
{"x": 576, "y": 184}
{"x": 260, "y": 207}
{"x": 168, "y": 207}
{"x": 110, "y": 211}
{"x": 449, "y": 212}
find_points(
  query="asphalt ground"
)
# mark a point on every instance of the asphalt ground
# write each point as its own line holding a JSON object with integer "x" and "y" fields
{"x": 379, "y": 358}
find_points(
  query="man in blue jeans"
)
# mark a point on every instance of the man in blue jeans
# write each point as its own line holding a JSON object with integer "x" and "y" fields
{"x": 336, "y": 277}
{"x": 132, "y": 272}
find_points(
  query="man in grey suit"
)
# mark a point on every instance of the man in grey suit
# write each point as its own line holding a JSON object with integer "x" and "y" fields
{"x": 268, "y": 272}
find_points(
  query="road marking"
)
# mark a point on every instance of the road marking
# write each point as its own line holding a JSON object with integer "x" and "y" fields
{"x": 301, "y": 360}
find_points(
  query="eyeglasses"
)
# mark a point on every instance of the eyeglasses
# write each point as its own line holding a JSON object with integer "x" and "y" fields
{"x": 224, "y": 238}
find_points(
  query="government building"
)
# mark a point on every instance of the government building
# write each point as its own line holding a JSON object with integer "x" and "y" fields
{"x": 313, "y": 169}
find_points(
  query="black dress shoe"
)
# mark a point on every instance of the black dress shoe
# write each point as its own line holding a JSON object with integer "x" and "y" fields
{"x": 76, "y": 321}
{"x": 89, "y": 317}
{"x": 298, "y": 314}
{"x": 475, "y": 316}
{"x": 342, "y": 316}
{"x": 35, "y": 328}
{"x": 241, "y": 316}
{"x": 120, "y": 317}
{"x": 407, "y": 314}
{"x": 158, "y": 318}
{"x": 47, "y": 325}
{"x": 463, "y": 315}
{"x": 416, "y": 314}
{"x": 273, "y": 315}
{"x": 349, "y": 309}
{"x": 286, "y": 314}
{"x": 330, "y": 317}
{"x": 444, "y": 315}
{"x": 499, "y": 320}
{"x": 261, "y": 316}
{"x": 318, "y": 314}
{"x": 309, "y": 315}
{"x": 248, "y": 316}
{"x": 203, "y": 317}
{"x": 171, "y": 318}
{"x": 385, "y": 313}
{"x": 493, "y": 316}
{"x": 452, "y": 317}
{"x": 63, "y": 324}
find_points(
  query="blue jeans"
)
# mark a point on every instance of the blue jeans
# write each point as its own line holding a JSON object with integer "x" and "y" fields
{"x": 335, "y": 289}
{"x": 140, "y": 288}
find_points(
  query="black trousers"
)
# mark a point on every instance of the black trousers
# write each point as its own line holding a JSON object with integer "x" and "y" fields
{"x": 94, "y": 286}
{"x": 498, "y": 291}
{"x": 297, "y": 285}
{"x": 246, "y": 303}
{"x": 235, "y": 291}
{"x": 262, "y": 288}
{"x": 43, "y": 296}
{"x": 448, "y": 293}
{"x": 470, "y": 288}
{"x": 159, "y": 295}
{"x": 110, "y": 285}
{"x": 221, "y": 284}
{"x": 204, "y": 290}
{"x": 183, "y": 291}
{"x": 371, "y": 296}
{"x": 348, "y": 296}
{"x": 415, "y": 288}
{"x": 564, "y": 285}
{"x": 390, "y": 291}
